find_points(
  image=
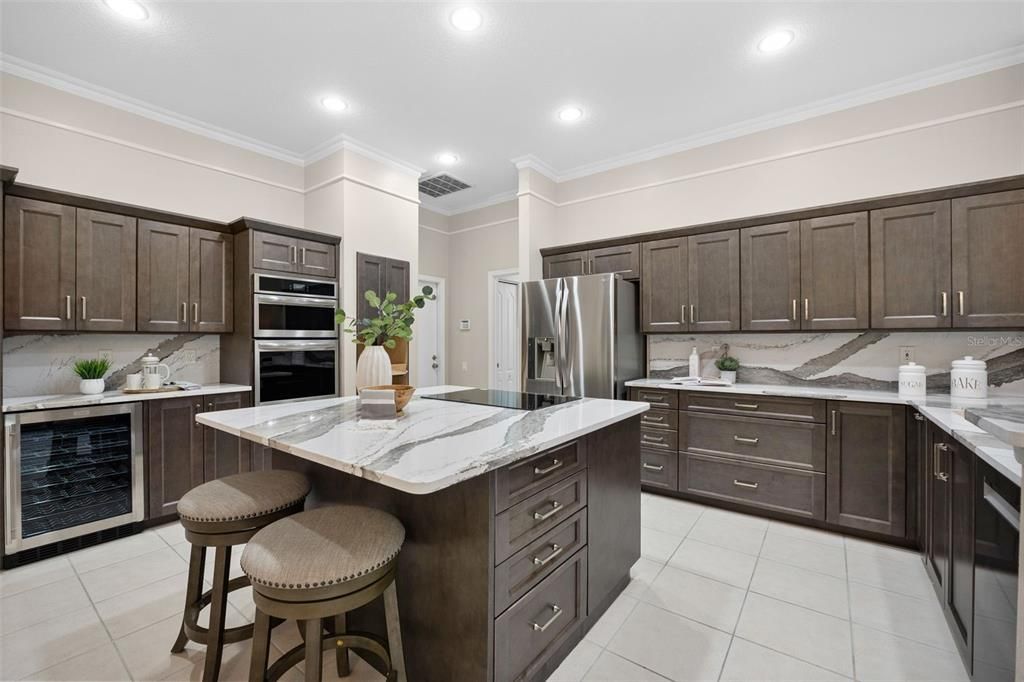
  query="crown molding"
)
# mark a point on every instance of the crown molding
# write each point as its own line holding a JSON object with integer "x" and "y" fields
{"x": 345, "y": 142}
{"x": 492, "y": 200}
{"x": 471, "y": 228}
{"x": 533, "y": 162}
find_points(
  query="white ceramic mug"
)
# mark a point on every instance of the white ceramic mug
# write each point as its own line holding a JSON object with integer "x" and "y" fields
{"x": 133, "y": 381}
{"x": 152, "y": 381}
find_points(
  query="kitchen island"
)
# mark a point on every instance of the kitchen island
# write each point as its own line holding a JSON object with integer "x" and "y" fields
{"x": 521, "y": 526}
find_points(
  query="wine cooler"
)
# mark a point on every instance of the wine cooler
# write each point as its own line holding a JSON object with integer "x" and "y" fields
{"x": 71, "y": 472}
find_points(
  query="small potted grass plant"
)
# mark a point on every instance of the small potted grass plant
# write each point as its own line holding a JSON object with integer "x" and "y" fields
{"x": 727, "y": 366}
{"x": 91, "y": 373}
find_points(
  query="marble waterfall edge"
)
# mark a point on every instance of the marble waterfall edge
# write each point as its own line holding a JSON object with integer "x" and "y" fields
{"x": 851, "y": 360}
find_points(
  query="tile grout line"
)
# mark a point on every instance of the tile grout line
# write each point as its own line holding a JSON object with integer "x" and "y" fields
{"x": 110, "y": 638}
{"x": 746, "y": 593}
{"x": 849, "y": 608}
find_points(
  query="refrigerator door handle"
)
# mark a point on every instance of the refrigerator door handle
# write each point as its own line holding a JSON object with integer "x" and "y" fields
{"x": 559, "y": 334}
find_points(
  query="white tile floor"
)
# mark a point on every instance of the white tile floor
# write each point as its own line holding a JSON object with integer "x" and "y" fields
{"x": 716, "y": 596}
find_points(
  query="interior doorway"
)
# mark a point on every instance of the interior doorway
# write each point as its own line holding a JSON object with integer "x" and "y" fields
{"x": 428, "y": 336}
{"x": 505, "y": 344}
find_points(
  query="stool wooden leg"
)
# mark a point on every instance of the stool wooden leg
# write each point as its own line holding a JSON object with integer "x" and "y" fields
{"x": 342, "y": 651}
{"x": 260, "y": 648}
{"x": 193, "y": 590}
{"x": 314, "y": 649}
{"x": 394, "y": 631}
{"x": 218, "y": 605}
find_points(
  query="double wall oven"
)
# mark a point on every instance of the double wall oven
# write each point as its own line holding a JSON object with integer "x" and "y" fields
{"x": 295, "y": 339}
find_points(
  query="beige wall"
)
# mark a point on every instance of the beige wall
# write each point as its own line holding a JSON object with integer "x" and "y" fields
{"x": 433, "y": 252}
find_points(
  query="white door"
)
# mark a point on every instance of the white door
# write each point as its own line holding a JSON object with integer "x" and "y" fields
{"x": 506, "y": 336}
{"x": 427, "y": 336}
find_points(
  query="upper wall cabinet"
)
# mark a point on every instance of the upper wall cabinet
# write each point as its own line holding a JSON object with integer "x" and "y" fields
{"x": 834, "y": 271}
{"x": 910, "y": 274}
{"x": 664, "y": 286}
{"x": 988, "y": 252}
{"x": 770, "y": 266}
{"x": 210, "y": 281}
{"x": 623, "y": 260}
{"x": 105, "y": 271}
{"x": 163, "y": 277}
{"x": 565, "y": 265}
{"x": 380, "y": 275}
{"x": 291, "y": 254}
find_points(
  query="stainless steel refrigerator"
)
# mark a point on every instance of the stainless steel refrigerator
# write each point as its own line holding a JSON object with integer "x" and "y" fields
{"x": 581, "y": 336}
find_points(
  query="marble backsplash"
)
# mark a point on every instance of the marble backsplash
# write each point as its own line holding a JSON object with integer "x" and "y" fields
{"x": 855, "y": 360}
{"x": 40, "y": 364}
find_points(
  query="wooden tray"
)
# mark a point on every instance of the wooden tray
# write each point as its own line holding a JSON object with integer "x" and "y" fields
{"x": 162, "y": 389}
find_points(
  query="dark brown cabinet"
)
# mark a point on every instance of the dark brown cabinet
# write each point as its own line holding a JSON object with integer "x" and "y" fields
{"x": 211, "y": 270}
{"x": 910, "y": 266}
{"x": 624, "y": 260}
{"x": 867, "y": 467}
{"x": 565, "y": 265}
{"x": 988, "y": 280}
{"x": 163, "y": 269}
{"x": 714, "y": 287}
{"x": 961, "y": 546}
{"x": 39, "y": 265}
{"x": 274, "y": 252}
{"x": 318, "y": 259}
{"x": 181, "y": 454}
{"x": 770, "y": 267}
{"x": 380, "y": 275}
{"x": 940, "y": 507}
{"x": 664, "y": 285}
{"x": 105, "y": 263}
{"x": 834, "y": 272}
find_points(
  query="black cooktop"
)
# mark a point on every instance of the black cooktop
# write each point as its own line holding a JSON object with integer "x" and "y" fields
{"x": 509, "y": 399}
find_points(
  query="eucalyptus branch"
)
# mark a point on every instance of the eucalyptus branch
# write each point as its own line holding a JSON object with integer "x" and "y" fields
{"x": 392, "y": 321}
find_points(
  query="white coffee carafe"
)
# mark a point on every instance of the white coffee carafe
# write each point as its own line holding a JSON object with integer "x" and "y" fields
{"x": 154, "y": 373}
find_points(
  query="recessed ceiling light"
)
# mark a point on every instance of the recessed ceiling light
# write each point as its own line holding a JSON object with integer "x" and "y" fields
{"x": 570, "y": 114}
{"x": 447, "y": 158}
{"x": 775, "y": 41}
{"x": 129, "y": 9}
{"x": 332, "y": 103}
{"x": 466, "y": 19}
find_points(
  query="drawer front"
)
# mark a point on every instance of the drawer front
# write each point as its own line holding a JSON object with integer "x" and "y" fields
{"x": 657, "y": 397}
{"x": 771, "y": 407}
{"x": 660, "y": 419}
{"x": 539, "y": 559}
{"x": 659, "y": 469}
{"x": 768, "y": 441}
{"x": 519, "y": 525}
{"x": 659, "y": 439}
{"x": 518, "y": 481}
{"x": 801, "y": 493}
{"x": 533, "y": 628}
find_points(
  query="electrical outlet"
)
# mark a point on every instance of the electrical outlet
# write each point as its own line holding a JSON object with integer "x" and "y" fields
{"x": 189, "y": 355}
{"x": 906, "y": 354}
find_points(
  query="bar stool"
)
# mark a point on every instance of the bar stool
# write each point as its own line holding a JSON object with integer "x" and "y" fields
{"x": 221, "y": 514}
{"x": 317, "y": 566}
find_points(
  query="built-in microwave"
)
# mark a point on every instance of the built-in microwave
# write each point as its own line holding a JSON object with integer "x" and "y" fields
{"x": 291, "y": 308}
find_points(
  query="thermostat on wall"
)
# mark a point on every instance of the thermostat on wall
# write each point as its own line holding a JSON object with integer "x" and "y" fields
{"x": 463, "y": 325}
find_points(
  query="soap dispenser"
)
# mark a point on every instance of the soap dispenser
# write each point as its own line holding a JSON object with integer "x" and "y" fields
{"x": 694, "y": 363}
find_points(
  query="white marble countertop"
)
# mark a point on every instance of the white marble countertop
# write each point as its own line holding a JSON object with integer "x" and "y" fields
{"x": 434, "y": 445}
{"x": 975, "y": 423}
{"x": 52, "y": 402}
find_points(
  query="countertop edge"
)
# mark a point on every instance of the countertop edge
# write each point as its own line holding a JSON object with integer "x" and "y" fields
{"x": 58, "y": 401}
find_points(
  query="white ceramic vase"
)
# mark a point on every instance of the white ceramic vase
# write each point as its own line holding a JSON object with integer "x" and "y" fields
{"x": 91, "y": 386}
{"x": 373, "y": 367}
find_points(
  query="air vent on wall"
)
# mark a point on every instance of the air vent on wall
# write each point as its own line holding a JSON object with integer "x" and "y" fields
{"x": 440, "y": 185}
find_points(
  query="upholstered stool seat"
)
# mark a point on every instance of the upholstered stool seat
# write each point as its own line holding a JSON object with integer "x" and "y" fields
{"x": 220, "y": 514}
{"x": 318, "y": 565}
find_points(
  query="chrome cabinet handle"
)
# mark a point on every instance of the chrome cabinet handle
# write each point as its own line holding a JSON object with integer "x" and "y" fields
{"x": 653, "y": 467}
{"x": 652, "y": 439}
{"x": 693, "y": 318}
{"x": 937, "y": 466}
{"x": 184, "y": 311}
{"x": 555, "y": 508}
{"x": 742, "y": 439}
{"x": 682, "y": 313}
{"x": 794, "y": 310}
{"x": 555, "y": 613}
{"x": 294, "y": 253}
{"x": 945, "y": 304}
{"x": 918, "y": 417}
{"x": 834, "y": 417}
{"x": 652, "y": 418}
{"x": 84, "y": 316}
{"x": 303, "y": 258}
{"x": 67, "y": 307}
{"x": 807, "y": 308}
{"x": 195, "y": 313}
{"x": 555, "y": 551}
{"x": 745, "y": 406}
{"x": 960, "y": 301}
{"x": 555, "y": 464}
{"x": 745, "y": 484}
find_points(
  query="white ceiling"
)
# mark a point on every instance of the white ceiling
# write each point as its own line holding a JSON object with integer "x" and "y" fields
{"x": 644, "y": 73}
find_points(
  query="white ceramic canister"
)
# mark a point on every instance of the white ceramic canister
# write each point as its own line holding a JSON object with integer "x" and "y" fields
{"x": 968, "y": 378}
{"x": 912, "y": 380}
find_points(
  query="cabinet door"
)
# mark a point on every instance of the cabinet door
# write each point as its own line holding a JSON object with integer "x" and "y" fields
{"x": 939, "y": 511}
{"x": 910, "y": 269}
{"x": 163, "y": 277}
{"x": 770, "y": 268}
{"x": 105, "y": 260}
{"x": 39, "y": 265}
{"x": 917, "y": 479}
{"x": 664, "y": 285}
{"x": 211, "y": 282}
{"x": 624, "y": 260}
{"x": 988, "y": 250}
{"x": 371, "y": 275}
{"x": 714, "y": 274}
{"x": 961, "y": 544}
{"x": 866, "y": 470}
{"x": 396, "y": 278}
{"x": 174, "y": 452}
{"x": 565, "y": 265}
{"x": 317, "y": 258}
{"x": 223, "y": 453}
{"x": 834, "y": 272}
{"x": 274, "y": 252}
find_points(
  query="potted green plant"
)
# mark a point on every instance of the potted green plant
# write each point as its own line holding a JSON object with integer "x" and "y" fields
{"x": 91, "y": 373}
{"x": 727, "y": 366}
{"x": 392, "y": 321}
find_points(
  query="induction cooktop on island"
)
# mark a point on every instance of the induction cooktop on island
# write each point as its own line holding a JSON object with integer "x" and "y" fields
{"x": 508, "y": 399}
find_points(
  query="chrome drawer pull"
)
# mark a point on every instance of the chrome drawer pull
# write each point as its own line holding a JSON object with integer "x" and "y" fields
{"x": 555, "y": 613}
{"x": 651, "y": 418}
{"x": 653, "y": 439}
{"x": 960, "y": 299}
{"x": 742, "y": 439}
{"x": 945, "y": 304}
{"x": 67, "y": 307}
{"x": 555, "y": 508}
{"x": 653, "y": 467}
{"x": 746, "y": 406}
{"x": 555, "y": 551}
{"x": 555, "y": 464}
{"x": 744, "y": 484}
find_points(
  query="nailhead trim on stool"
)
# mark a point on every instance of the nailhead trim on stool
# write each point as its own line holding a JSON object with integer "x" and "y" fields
{"x": 243, "y": 496}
